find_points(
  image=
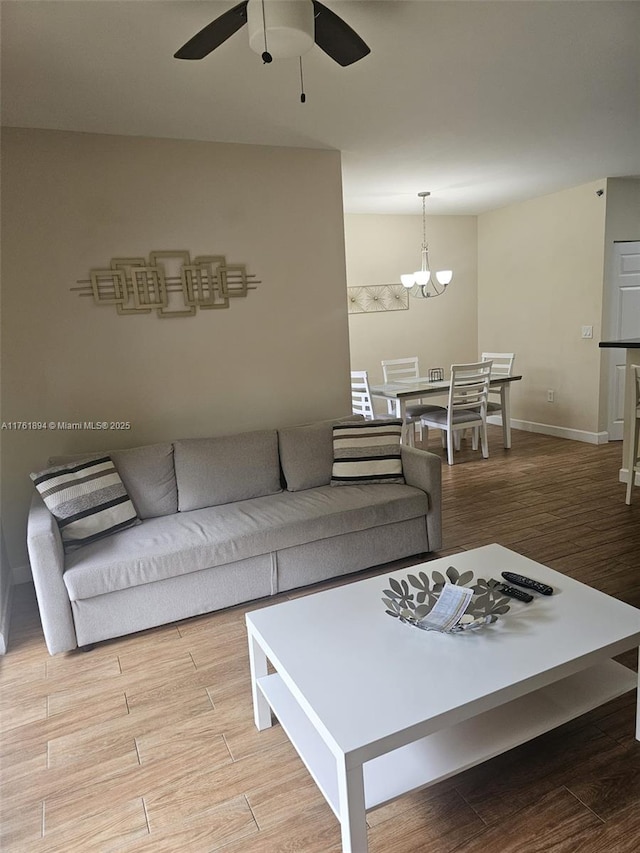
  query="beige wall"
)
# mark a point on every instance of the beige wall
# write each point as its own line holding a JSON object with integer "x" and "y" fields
{"x": 439, "y": 331}
{"x": 540, "y": 279}
{"x": 71, "y": 201}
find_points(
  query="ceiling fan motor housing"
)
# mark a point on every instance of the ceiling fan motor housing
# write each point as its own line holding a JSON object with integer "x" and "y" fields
{"x": 289, "y": 24}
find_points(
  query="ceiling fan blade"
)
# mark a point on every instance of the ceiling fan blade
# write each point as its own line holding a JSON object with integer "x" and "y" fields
{"x": 214, "y": 34}
{"x": 336, "y": 38}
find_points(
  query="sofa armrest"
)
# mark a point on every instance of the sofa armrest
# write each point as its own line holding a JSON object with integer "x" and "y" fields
{"x": 424, "y": 471}
{"x": 46, "y": 557}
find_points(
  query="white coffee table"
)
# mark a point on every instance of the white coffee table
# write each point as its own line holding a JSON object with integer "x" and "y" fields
{"x": 377, "y": 708}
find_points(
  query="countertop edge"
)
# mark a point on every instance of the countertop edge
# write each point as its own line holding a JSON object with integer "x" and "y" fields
{"x": 628, "y": 343}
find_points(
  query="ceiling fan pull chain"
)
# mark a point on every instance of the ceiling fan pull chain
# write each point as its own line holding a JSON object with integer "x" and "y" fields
{"x": 266, "y": 56}
{"x": 303, "y": 97}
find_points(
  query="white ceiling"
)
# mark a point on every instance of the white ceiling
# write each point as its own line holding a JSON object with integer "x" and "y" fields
{"x": 482, "y": 103}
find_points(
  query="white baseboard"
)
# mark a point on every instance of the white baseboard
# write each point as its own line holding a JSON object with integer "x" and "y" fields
{"x": 557, "y": 431}
{"x": 22, "y": 574}
{"x": 623, "y": 476}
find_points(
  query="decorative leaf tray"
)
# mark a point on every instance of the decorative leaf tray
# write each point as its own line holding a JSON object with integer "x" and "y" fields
{"x": 410, "y": 600}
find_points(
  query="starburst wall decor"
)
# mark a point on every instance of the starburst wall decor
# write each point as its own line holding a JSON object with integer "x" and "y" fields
{"x": 377, "y": 297}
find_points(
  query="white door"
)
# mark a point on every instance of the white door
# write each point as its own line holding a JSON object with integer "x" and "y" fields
{"x": 625, "y": 323}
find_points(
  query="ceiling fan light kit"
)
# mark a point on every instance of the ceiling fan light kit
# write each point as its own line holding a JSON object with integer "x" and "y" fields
{"x": 280, "y": 29}
{"x": 283, "y": 28}
{"x": 417, "y": 283}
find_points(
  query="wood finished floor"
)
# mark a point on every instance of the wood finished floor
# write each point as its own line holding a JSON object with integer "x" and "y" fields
{"x": 147, "y": 744}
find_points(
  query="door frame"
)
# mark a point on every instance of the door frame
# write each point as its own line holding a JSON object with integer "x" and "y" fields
{"x": 616, "y": 357}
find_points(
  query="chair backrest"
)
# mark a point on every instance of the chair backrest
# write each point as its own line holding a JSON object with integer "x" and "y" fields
{"x": 502, "y": 366}
{"x": 361, "y": 395}
{"x": 470, "y": 387}
{"x": 502, "y": 362}
{"x": 400, "y": 368}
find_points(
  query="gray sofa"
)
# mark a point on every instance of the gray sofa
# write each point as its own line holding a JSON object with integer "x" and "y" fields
{"x": 226, "y": 520}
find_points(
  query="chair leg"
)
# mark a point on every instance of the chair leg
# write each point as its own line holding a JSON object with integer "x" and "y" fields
{"x": 450, "y": 446}
{"x": 485, "y": 441}
{"x": 474, "y": 438}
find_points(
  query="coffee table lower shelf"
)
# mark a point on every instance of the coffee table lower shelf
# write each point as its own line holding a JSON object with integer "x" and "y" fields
{"x": 445, "y": 753}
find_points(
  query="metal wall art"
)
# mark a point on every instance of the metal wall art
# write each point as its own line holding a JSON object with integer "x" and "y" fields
{"x": 377, "y": 297}
{"x": 168, "y": 282}
{"x": 411, "y": 600}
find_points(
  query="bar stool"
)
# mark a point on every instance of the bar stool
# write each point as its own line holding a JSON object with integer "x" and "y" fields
{"x": 633, "y": 462}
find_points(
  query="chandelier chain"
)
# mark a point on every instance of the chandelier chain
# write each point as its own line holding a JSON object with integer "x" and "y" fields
{"x": 424, "y": 223}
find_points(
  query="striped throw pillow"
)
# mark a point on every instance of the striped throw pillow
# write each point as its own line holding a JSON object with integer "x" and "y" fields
{"x": 88, "y": 500}
{"x": 367, "y": 452}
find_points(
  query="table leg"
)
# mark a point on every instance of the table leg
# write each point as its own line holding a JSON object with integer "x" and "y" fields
{"x": 506, "y": 413}
{"x": 258, "y": 665}
{"x": 407, "y": 429}
{"x": 353, "y": 815}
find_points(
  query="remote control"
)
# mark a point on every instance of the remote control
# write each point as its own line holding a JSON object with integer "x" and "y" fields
{"x": 521, "y": 580}
{"x": 512, "y": 592}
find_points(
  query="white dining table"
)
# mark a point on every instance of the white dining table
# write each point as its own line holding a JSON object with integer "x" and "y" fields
{"x": 406, "y": 390}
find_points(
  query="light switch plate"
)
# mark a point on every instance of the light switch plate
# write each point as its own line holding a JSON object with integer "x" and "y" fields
{"x": 587, "y": 331}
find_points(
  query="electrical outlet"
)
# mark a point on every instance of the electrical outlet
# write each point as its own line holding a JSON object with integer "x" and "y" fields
{"x": 550, "y": 395}
{"x": 587, "y": 331}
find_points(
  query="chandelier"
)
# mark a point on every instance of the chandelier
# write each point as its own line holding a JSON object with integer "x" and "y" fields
{"x": 420, "y": 283}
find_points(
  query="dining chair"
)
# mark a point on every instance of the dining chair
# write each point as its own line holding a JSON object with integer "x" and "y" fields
{"x": 400, "y": 369}
{"x": 467, "y": 406}
{"x": 502, "y": 366}
{"x": 361, "y": 403}
{"x": 633, "y": 459}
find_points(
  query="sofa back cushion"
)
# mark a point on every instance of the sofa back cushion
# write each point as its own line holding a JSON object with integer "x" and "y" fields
{"x": 147, "y": 473}
{"x": 306, "y": 453}
{"x": 214, "y": 471}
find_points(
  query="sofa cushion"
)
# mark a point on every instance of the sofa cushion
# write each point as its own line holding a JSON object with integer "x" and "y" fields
{"x": 147, "y": 473}
{"x": 88, "y": 500}
{"x": 306, "y": 453}
{"x": 191, "y": 541}
{"x": 367, "y": 452}
{"x": 214, "y": 471}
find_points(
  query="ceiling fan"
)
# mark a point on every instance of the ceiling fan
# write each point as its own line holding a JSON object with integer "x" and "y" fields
{"x": 280, "y": 29}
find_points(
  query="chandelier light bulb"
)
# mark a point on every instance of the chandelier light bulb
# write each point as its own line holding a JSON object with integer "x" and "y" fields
{"x": 407, "y": 280}
{"x": 444, "y": 276}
